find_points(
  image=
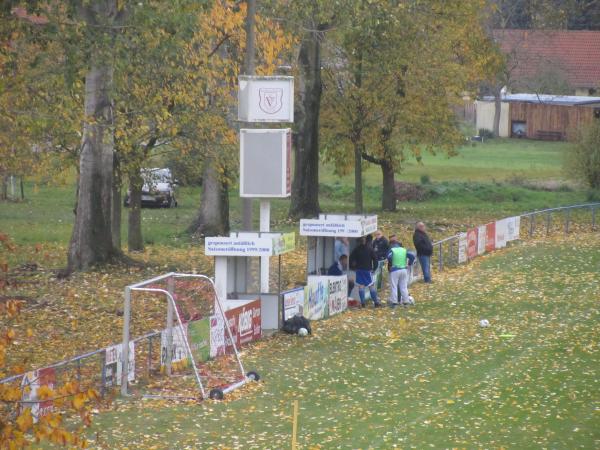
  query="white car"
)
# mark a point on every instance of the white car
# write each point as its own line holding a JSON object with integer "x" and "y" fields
{"x": 158, "y": 189}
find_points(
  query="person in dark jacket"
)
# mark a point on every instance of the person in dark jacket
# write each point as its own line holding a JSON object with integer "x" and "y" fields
{"x": 364, "y": 261}
{"x": 381, "y": 246}
{"x": 424, "y": 248}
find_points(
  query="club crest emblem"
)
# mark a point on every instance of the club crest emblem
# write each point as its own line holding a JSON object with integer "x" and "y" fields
{"x": 270, "y": 100}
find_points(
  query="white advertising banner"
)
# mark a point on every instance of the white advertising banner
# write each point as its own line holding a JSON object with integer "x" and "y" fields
{"x": 338, "y": 226}
{"x": 513, "y": 228}
{"x": 178, "y": 351}
{"x": 338, "y": 294}
{"x": 238, "y": 246}
{"x": 462, "y": 248}
{"x": 114, "y": 366}
{"x": 501, "y": 233}
{"x": 266, "y": 99}
{"x": 481, "y": 238}
{"x": 293, "y": 303}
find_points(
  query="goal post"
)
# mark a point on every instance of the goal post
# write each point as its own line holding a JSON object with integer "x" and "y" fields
{"x": 166, "y": 286}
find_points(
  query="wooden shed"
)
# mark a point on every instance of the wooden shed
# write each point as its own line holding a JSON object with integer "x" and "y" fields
{"x": 549, "y": 117}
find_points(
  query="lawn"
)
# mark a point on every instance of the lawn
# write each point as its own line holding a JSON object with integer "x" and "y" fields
{"x": 481, "y": 183}
{"x": 423, "y": 377}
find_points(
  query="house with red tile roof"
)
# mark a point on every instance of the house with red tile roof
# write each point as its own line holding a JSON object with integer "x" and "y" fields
{"x": 568, "y": 55}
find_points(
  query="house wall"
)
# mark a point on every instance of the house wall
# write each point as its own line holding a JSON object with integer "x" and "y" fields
{"x": 540, "y": 118}
{"x": 484, "y": 117}
{"x": 584, "y": 91}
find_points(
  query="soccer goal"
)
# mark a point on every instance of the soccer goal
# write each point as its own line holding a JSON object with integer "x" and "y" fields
{"x": 199, "y": 335}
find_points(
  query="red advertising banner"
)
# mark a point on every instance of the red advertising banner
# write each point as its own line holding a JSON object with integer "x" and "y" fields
{"x": 30, "y": 384}
{"x": 490, "y": 237}
{"x": 245, "y": 325}
{"x": 472, "y": 243}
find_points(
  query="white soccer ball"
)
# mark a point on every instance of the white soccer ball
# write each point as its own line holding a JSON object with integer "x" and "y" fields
{"x": 411, "y": 300}
{"x": 484, "y": 323}
{"x": 302, "y": 332}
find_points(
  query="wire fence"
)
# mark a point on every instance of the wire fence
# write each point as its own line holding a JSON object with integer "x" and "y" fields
{"x": 564, "y": 219}
{"x": 101, "y": 369}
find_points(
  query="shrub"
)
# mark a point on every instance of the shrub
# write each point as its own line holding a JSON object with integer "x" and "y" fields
{"x": 425, "y": 179}
{"x": 583, "y": 158}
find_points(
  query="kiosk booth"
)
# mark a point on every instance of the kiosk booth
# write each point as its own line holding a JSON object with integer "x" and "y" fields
{"x": 325, "y": 295}
{"x": 238, "y": 278}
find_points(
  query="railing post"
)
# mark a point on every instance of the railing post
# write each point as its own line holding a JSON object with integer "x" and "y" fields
{"x": 451, "y": 257}
{"x": 125, "y": 349}
{"x": 548, "y": 219}
{"x": 169, "y": 355}
{"x": 440, "y": 257}
{"x": 593, "y": 218}
{"x": 103, "y": 374}
{"x": 150, "y": 356}
{"x": 568, "y": 220}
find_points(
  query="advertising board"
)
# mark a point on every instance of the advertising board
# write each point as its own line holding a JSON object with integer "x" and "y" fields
{"x": 293, "y": 303}
{"x": 114, "y": 366}
{"x": 481, "y": 239}
{"x": 30, "y": 384}
{"x": 490, "y": 237}
{"x": 472, "y": 243}
{"x": 462, "y": 248}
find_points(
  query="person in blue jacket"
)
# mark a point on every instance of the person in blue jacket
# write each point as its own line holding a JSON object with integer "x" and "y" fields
{"x": 340, "y": 268}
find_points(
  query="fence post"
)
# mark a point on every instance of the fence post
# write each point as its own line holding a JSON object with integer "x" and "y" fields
{"x": 169, "y": 354}
{"x": 103, "y": 372}
{"x": 568, "y": 214}
{"x": 79, "y": 372}
{"x": 441, "y": 257}
{"x": 548, "y": 219}
{"x": 126, "y": 319}
{"x": 451, "y": 256}
{"x": 593, "y": 218}
{"x": 150, "y": 355}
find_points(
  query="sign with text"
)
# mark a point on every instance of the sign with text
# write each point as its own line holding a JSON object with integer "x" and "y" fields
{"x": 472, "y": 243}
{"x": 501, "y": 233}
{"x": 350, "y": 227}
{"x": 513, "y": 226}
{"x": 462, "y": 248}
{"x": 114, "y": 364}
{"x": 481, "y": 238}
{"x": 30, "y": 384}
{"x": 266, "y": 99}
{"x": 337, "y": 296}
{"x": 490, "y": 237}
{"x": 178, "y": 351}
{"x": 244, "y": 323}
{"x": 293, "y": 303}
{"x": 238, "y": 246}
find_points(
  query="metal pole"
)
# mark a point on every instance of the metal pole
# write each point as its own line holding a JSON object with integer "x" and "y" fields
{"x": 126, "y": 319}
{"x": 568, "y": 214}
{"x": 593, "y": 218}
{"x": 103, "y": 374}
{"x": 451, "y": 254}
{"x": 169, "y": 353}
{"x": 441, "y": 257}
{"x": 265, "y": 226}
{"x": 149, "y": 356}
{"x": 548, "y": 218}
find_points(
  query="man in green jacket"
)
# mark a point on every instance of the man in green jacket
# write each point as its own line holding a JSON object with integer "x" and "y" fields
{"x": 398, "y": 261}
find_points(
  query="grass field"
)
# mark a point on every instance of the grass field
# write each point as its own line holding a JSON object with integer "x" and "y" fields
{"x": 481, "y": 183}
{"x": 425, "y": 377}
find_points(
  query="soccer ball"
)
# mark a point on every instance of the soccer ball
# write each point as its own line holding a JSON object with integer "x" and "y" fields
{"x": 302, "y": 332}
{"x": 411, "y": 300}
{"x": 484, "y": 323}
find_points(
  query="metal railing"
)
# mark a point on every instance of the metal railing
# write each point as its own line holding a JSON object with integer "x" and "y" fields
{"x": 583, "y": 215}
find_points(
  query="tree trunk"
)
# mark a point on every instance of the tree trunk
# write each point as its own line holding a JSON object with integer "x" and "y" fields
{"x": 135, "y": 241}
{"x": 22, "y": 186}
{"x": 116, "y": 204}
{"x": 4, "y": 192}
{"x": 305, "y": 187}
{"x": 92, "y": 242}
{"x": 497, "y": 111}
{"x": 358, "y": 188}
{"x": 388, "y": 197}
{"x": 213, "y": 216}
